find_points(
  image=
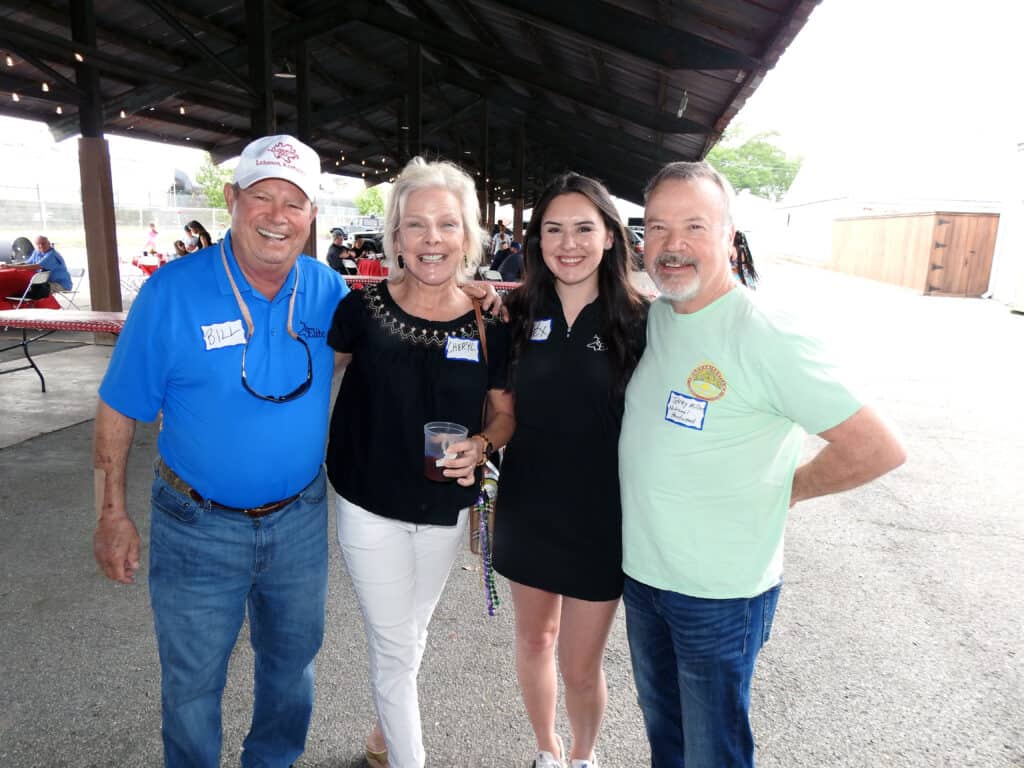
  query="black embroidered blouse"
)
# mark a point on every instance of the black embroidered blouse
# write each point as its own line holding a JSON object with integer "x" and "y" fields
{"x": 405, "y": 371}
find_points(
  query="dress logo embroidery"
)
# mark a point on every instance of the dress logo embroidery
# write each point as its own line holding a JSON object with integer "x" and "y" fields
{"x": 597, "y": 345}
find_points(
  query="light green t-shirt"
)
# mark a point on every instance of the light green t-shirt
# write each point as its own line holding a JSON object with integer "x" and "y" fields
{"x": 713, "y": 429}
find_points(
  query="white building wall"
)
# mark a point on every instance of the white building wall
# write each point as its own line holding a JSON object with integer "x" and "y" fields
{"x": 1007, "y": 283}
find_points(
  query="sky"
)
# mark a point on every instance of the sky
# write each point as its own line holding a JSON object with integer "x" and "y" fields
{"x": 896, "y": 73}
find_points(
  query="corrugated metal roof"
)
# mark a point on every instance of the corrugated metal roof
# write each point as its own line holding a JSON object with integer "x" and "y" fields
{"x": 613, "y": 88}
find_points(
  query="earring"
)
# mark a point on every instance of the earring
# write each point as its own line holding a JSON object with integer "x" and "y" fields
{"x": 401, "y": 262}
{"x": 465, "y": 260}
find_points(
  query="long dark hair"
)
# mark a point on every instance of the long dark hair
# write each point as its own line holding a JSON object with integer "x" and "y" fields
{"x": 621, "y": 305}
{"x": 199, "y": 231}
{"x": 744, "y": 261}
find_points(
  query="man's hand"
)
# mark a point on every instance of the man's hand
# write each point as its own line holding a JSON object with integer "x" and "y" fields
{"x": 490, "y": 299}
{"x": 859, "y": 450}
{"x": 116, "y": 547}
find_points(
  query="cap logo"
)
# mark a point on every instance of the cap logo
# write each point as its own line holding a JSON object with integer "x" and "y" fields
{"x": 285, "y": 152}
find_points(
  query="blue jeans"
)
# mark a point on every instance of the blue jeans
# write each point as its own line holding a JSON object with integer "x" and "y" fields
{"x": 208, "y": 566}
{"x": 693, "y": 660}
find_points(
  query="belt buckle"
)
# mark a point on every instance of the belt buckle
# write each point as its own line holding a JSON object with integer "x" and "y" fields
{"x": 263, "y": 509}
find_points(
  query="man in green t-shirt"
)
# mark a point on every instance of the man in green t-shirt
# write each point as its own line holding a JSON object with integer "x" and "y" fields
{"x": 714, "y": 426}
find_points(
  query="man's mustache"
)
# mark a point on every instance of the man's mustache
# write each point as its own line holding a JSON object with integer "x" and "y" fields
{"x": 674, "y": 260}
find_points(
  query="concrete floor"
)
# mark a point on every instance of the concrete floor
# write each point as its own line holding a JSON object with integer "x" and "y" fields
{"x": 897, "y": 641}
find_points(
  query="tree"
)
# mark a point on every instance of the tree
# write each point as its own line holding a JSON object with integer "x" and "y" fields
{"x": 755, "y": 163}
{"x": 370, "y": 203}
{"x": 211, "y": 179}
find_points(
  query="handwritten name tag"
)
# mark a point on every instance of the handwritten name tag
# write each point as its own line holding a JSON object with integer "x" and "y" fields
{"x": 226, "y": 334}
{"x": 462, "y": 349}
{"x": 541, "y": 330}
{"x": 686, "y": 411}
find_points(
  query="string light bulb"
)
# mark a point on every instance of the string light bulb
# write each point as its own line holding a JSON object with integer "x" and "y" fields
{"x": 123, "y": 115}
{"x": 181, "y": 110}
{"x": 79, "y": 57}
{"x": 46, "y": 87}
{"x": 9, "y": 60}
{"x": 15, "y": 97}
{"x": 60, "y": 110}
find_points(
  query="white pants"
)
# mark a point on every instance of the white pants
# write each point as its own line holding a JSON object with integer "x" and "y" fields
{"x": 398, "y": 571}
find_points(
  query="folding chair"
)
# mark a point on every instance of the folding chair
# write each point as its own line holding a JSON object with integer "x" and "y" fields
{"x": 38, "y": 278}
{"x": 69, "y": 294}
{"x": 490, "y": 274}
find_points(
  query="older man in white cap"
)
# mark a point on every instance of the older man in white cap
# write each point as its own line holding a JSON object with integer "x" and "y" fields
{"x": 230, "y": 345}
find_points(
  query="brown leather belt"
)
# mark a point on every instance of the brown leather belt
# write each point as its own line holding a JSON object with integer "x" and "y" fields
{"x": 172, "y": 479}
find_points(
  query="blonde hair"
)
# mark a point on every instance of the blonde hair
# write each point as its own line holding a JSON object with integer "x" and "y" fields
{"x": 440, "y": 174}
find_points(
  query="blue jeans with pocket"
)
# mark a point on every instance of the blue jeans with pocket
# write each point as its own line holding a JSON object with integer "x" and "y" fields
{"x": 208, "y": 568}
{"x": 693, "y": 660}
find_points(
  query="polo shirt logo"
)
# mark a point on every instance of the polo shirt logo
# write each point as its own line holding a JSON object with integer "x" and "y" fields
{"x": 597, "y": 345}
{"x": 310, "y": 332}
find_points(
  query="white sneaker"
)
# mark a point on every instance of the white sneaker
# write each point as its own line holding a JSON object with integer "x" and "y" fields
{"x": 545, "y": 759}
{"x": 591, "y": 763}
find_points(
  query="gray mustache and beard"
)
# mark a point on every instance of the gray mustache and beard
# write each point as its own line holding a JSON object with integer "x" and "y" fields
{"x": 675, "y": 260}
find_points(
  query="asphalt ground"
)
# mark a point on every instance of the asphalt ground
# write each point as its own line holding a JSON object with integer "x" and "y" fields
{"x": 897, "y": 640}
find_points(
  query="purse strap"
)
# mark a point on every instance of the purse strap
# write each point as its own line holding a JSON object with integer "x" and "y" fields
{"x": 482, "y": 332}
{"x": 480, "y": 329}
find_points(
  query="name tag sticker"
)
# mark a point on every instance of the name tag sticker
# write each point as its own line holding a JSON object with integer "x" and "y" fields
{"x": 227, "y": 334}
{"x": 686, "y": 411}
{"x": 462, "y": 349}
{"x": 541, "y": 330}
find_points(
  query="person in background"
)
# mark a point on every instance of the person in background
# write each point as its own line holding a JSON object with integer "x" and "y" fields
{"x": 710, "y": 463}
{"x": 191, "y": 241}
{"x": 47, "y": 257}
{"x": 203, "y": 238}
{"x": 151, "y": 237}
{"x": 500, "y": 245}
{"x": 742, "y": 262}
{"x": 364, "y": 247}
{"x": 415, "y": 355}
{"x": 229, "y": 345}
{"x": 577, "y": 331}
{"x": 179, "y": 250}
{"x": 511, "y": 268}
{"x": 338, "y": 251}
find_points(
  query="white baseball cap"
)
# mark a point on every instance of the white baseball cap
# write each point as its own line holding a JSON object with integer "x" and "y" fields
{"x": 280, "y": 157}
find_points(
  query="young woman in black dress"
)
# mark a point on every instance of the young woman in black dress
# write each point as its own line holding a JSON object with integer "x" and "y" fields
{"x": 577, "y": 331}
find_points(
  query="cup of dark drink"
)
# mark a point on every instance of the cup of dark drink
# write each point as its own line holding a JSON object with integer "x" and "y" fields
{"x": 437, "y": 436}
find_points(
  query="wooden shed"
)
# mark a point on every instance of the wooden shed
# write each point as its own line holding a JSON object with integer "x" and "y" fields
{"x": 938, "y": 252}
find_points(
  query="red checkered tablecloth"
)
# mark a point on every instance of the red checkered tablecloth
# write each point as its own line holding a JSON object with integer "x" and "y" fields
{"x": 63, "y": 320}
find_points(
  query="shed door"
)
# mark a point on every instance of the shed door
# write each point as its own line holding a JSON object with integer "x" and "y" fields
{"x": 955, "y": 256}
{"x": 943, "y": 268}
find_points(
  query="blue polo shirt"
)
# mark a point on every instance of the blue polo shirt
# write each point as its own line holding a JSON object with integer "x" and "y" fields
{"x": 54, "y": 262}
{"x": 181, "y": 352}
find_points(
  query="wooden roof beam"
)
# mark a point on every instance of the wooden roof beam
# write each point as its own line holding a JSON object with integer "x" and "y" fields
{"x": 635, "y": 34}
{"x": 524, "y": 70}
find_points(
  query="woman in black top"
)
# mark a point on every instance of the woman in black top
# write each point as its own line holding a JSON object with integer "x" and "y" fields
{"x": 577, "y": 332}
{"x": 414, "y": 355}
{"x": 203, "y": 239}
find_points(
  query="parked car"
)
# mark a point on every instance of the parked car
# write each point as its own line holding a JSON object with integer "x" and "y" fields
{"x": 375, "y": 240}
{"x": 636, "y": 249}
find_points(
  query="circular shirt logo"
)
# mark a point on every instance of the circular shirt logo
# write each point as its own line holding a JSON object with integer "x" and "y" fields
{"x": 706, "y": 382}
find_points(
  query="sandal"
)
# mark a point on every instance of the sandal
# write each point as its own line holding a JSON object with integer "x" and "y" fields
{"x": 376, "y": 759}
